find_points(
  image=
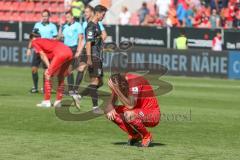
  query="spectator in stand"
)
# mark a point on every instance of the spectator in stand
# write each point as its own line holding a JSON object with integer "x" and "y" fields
{"x": 217, "y": 4}
{"x": 215, "y": 19}
{"x": 194, "y": 4}
{"x": 204, "y": 21}
{"x": 143, "y": 11}
{"x": 67, "y": 4}
{"x": 172, "y": 20}
{"x": 181, "y": 11}
{"x": 206, "y": 9}
{"x": 124, "y": 16}
{"x": 217, "y": 42}
{"x": 189, "y": 16}
{"x": 77, "y": 8}
{"x": 230, "y": 15}
{"x": 163, "y": 7}
{"x": 152, "y": 18}
{"x": 237, "y": 20}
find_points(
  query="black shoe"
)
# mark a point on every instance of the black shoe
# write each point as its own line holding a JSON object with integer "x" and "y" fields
{"x": 132, "y": 140}
{"x": 33, "y": 90}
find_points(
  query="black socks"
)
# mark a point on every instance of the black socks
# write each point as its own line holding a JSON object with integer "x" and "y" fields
{"x": 92, "y": 91}
{"x": 78, "y": 80}
{"x": 35, "y": 79}
{"x": 70, "y": 80}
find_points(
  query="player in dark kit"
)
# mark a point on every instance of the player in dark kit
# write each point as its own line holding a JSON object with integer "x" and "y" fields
{"x": 94, "y": 45}
{"x": 140, "y": 107}
{"x": 89, "y": 13}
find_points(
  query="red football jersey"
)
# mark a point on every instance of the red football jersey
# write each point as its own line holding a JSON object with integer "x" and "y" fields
{"x": 140, "y": 88}
{"x": 46, "y": 45}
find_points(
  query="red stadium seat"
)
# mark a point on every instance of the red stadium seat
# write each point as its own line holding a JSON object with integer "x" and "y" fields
{"x": 54, "y": 19}
{"x": 38, "y": 17}
{"x": 23, "y": 6}
{"x": 2, "y": 16}
{"x": 62, "y": 9}
{"x": 16, "y": 16}
{"x": 29, "y": 17}
{"x": 38, "y": 7}
{"x": 30, "y": 6}
{"x": 22, "y": 17}
{"x": 6, "y": 6}
{"x": 1, "y": 4}
{"x": 7, "y": 16}
{"x": 15, "y": 6}
{"x": 54, "y": 7}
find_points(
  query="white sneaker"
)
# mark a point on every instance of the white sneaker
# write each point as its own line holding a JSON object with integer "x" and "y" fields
{"x": 57, "y": 103}
{"x": 76, "y": 99}
{"x": 44, "y": 104}
{"x": 97, "y": 110}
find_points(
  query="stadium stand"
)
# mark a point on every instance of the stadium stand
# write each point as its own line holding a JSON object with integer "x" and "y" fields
{"x": 30, "y": 11}
{"x": 179, "y": 13}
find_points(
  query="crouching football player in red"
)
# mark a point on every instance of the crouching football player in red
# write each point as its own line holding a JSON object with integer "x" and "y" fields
{"x": 140, "y": 107}
{"x": 57, "y": 58}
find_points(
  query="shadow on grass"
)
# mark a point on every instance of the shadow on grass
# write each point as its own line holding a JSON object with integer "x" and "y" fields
{"x": 154, "y": 144}
{"x": 5, "y": 95}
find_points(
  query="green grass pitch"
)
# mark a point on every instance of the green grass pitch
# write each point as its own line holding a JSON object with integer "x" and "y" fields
{"x": 208, "y": 127}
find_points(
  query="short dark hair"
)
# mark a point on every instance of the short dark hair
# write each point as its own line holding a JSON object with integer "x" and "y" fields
{"x": 69, "y": 12}
{"x": 100, "y": 9}
{"x": 144, "y": 4}
{"x": 123, "y": 83}
{"x": 48, "y": 12}
{"x": 89, "y": 7}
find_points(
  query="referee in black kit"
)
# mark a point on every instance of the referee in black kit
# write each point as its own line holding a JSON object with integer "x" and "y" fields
{"x": 47, "y": 30}
{"x": 94, "y": 51}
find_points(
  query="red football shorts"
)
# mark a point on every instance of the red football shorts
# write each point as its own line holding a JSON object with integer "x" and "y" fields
{"x": 60, "y": 63}
{"x": 150, "y": 117}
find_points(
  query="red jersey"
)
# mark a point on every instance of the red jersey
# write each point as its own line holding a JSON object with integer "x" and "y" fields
{"x": 140, "y": 88}
{"x": 47, "y": 46}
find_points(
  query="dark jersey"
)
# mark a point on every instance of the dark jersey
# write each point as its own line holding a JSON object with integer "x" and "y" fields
{"x": 93, "y": 35}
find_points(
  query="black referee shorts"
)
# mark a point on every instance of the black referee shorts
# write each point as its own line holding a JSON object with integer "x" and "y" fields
{"x": 75, "y": 62}
{"x": 36, "y": 61}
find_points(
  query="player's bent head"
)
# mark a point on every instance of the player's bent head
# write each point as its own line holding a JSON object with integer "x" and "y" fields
{"x": 122, "y": 82}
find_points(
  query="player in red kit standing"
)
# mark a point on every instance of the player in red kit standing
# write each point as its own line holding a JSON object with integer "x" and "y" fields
{"x": 57, "y": 58}
{"x": 140, "y": 107}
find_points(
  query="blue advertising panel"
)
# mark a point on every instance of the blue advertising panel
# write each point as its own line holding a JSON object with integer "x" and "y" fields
{"x": 234, "y": 65}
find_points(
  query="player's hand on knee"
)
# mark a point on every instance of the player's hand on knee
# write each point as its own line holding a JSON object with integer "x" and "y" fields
{"x": 111, "y": 115}
{"x": 129, "y": 116}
